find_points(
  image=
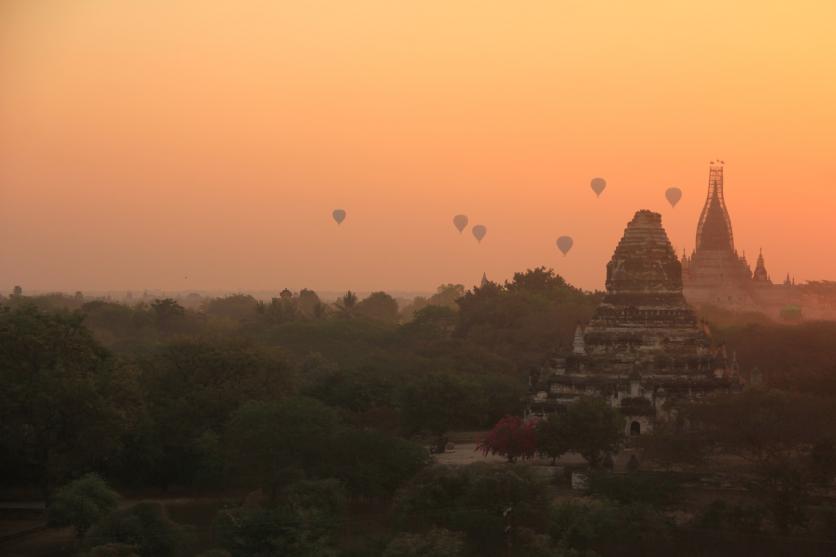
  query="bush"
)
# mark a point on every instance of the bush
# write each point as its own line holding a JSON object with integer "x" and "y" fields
{"x": 472, "y": 499}
{"x": 82, "y": 503}
{"x": 269, "y": 532}
{"x": 512, "y": 438}
{"x": 722, "y": 515}
{"x": 654, "y": 489}
{"x": 318, "y": 505}
{"x": 303, "y": 523}
{"x": 144, "y": 525}
{"x": 215, "y": 553}
{"x": 609, "y": 528}
{"x": 374, "y": 464}
{"x": 113, "y": 550}
{"x": 271, "y": 443}
{"x": 436, "y": 543}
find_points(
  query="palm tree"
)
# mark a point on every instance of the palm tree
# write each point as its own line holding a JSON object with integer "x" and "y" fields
{"x": 347, "y": 303}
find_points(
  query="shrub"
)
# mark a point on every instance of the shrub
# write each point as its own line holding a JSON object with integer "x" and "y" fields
{"x": 655, "y": 489}
{"x": 722, "y": 515}
{"x": 609, "y": 528}
{"x": 269, "y": 532}
{"x": 374, "y": 464}
{"x": 435, "y": 543}
{"x": 113, "y": 550}
{"x": 144, "y": 525}
{"x": 512, "y": 438}
{"x": 472, "y": 499}
{"x": 82, "y": 503}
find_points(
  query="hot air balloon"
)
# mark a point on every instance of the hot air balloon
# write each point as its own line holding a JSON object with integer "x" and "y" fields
{"x": 565, "y": 243}
{"x": 460, "y": 222}
{"x": 598, "y": 185}
{"x": 339, "y": 215}
{"x": 479, "y": 232}
{"x": 673, "y": 195}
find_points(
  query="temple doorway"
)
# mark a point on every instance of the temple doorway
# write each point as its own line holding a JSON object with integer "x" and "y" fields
{"x": 635, "y": 429}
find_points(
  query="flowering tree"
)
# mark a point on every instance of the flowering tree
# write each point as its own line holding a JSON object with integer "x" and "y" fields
{"x": 512, "y": 438}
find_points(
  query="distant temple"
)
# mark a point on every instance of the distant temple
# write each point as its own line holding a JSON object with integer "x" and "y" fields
{"x": 644, "y": 346}
{"x": 716, "y": 274}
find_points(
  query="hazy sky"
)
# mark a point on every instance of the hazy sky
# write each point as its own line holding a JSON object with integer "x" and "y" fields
{"x": 144, "y": 142}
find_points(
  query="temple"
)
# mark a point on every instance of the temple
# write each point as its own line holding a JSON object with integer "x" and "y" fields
{"x": 644, "y": 346}
{"x": 717, "y": 275}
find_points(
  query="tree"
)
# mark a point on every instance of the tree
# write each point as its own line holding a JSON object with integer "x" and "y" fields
{"x": 431, "y": 323}
{"x": 512, "y": 438}
{"x": 357, "y": 390}
{"x": 472, "y": 499}
{"x": 594, "y": 429}
{"x": 192, "y": 386}
{"x": 81, "y": 503}
{"x": 521, "y": 319}
{"x": 113, "y": 323}
{"x": 347, "y": 304}
{"x": 238, "y": 307}
{"x": 608, "y": 528}
{"x": 432, "y": 403}
{"x": 168, "y": 314}
{"x": 271, "y": 443}
{"x": 656, "y": 489}
{"x": 438, "y": 542}
{"x": 552, "y": 437}
{"x": 539, "y": 279}
{"x": 269, "y": 532}
{"x": 143, "y": 525}
{"x": 379, "y": 306}
{"x": 782, "y": 435}
{"x": 302, "y": 523}
{"x": 309, "y": 304}
{"x": 59, "y": 389}
{"x": 446, "y": 295}
{"x": 319, "y": 501}
{"x": 373, "y": 464}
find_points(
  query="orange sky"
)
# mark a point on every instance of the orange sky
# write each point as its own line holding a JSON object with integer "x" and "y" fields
{"x": 145, "y": 142}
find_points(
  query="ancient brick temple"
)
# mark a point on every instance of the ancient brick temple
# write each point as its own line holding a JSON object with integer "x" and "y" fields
{"x": 715, "y": 274}
{"x": 644, "y": 347}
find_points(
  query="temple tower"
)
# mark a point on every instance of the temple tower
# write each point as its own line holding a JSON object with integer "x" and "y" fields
{"x": 715, "y": 274}
{"x": 644, "y": 346}
{"x": 714, "y": 231}
{"x": 761, "y": 276}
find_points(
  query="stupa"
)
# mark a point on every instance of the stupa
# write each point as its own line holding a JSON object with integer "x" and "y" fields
{"x": 644, "y": 346}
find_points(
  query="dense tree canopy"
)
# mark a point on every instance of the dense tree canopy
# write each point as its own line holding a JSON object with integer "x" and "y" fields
{"x": 525, "y": 318}
{"x": 59, "y": 390}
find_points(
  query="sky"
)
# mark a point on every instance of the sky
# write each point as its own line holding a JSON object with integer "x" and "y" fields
{"x": 203, "y": 144}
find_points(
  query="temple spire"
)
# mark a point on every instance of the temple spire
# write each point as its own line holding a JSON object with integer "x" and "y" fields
{"x": 578, "y": 345}
{"x": 760, "y": 274}
{"x": 714, "y": 231}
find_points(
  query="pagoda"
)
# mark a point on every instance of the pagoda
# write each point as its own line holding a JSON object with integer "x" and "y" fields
{"x": 715, "y": 273}
{"x": 644, "y": 346}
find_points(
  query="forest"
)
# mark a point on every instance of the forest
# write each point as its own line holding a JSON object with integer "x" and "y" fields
{"x": 304, "y": 427}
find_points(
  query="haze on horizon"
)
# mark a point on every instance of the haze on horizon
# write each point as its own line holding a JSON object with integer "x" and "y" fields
{"x": 202, "y": 145}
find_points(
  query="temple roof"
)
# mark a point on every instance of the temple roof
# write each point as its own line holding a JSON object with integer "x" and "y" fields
{"x": 644, "y": 261}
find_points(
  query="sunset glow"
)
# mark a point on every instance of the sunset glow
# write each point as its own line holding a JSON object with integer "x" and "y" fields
{"x": 203, "y": 144}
